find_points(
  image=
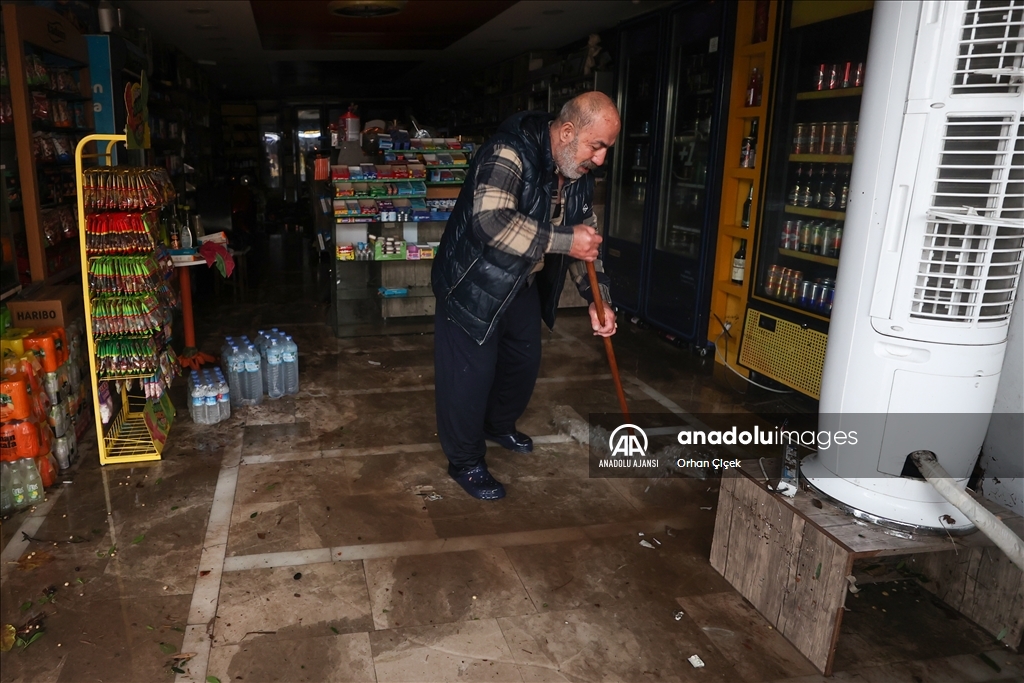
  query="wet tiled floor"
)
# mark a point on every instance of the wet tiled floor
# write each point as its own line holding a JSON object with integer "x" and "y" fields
{"x": 318, "y": 538}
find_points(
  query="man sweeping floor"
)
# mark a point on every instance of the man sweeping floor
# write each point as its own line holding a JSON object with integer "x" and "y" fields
{"x": 523, "y": 219}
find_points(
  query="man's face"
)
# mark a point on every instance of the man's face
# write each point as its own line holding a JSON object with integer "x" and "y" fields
{"x": 580, "y": 151}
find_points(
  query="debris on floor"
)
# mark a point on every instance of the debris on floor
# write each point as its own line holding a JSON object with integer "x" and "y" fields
{"x": 696, "y": 662}
{"x": 647, "y": 544}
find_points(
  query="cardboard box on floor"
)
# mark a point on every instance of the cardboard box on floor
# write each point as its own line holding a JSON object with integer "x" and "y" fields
{"x": 47, "y": 307}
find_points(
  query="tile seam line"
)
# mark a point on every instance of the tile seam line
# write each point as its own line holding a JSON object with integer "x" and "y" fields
{"x": 364, "y": 452}
{"x": 197, "y": 635}
{"x": 430, "y": 387}
{"x": 480, "y": 542}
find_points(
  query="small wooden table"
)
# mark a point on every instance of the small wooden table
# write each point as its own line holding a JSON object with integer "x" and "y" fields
{"x": 790, "y": 557}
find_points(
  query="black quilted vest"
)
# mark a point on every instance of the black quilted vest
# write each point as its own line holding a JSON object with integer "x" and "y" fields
{"x": 473, "y": 282}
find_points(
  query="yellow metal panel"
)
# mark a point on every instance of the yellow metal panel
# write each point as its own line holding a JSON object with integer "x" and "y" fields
{"x": 812, "y": 11}
{"x": 790, "y": 354}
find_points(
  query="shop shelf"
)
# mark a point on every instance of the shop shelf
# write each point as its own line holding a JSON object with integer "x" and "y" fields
{"x": 439, "y": 183}
{"x": 823, "y": 158}
{"x": 791, "y": 307}
{"x": 829, "y": 94}
{"x": 834, "y": 262}
{"x": 816, "y": 213}
{"x": 60, "y": 95}
{"x": 730, "y": 287}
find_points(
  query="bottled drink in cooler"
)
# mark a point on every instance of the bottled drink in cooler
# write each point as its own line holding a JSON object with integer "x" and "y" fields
{"x": 290, "y": 362}
{"x": 793, "y": 198}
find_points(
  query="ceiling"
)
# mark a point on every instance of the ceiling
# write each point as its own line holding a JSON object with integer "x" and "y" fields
{"x": 293, "y": 49}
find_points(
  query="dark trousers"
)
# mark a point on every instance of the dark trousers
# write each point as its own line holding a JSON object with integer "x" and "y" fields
{"x": 484, "y": 388}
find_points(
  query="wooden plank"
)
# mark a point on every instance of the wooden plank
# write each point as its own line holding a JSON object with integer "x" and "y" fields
{"x": 723, "y": 524}
{"x": 980, "y": 583}
{"x": 812, "y": 611}
{"x": 762, "y": 533}
{"x": 757, "y": 651}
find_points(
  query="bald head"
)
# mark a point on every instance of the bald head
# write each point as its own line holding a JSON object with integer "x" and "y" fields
{"x": 585, "y": 128}
{"x": 584, "y": 110}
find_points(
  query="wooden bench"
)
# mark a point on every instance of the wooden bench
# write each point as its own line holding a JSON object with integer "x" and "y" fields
{"x": 790, "y": 557}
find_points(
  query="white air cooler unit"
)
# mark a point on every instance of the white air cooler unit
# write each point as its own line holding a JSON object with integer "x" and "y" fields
{"x": 932, "y": 257}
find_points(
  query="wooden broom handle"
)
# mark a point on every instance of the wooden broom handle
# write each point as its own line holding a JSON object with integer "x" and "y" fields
{"x": 609, "y": 350}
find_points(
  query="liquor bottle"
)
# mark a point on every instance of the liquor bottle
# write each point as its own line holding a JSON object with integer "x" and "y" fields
{"x": 807, "y": 191}
{"x": 828, "y": 190}
{"x": 844, "y": 191}
{"x": 753, "y": 129}
{"x": 746, "y": 207}
{"x": 753, "y": 98}
{"x": 793, "y": 198}
{"x": 739, "y": 263}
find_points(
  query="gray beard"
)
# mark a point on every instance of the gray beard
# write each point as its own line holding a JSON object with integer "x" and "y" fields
{"x": 565, "y": 161}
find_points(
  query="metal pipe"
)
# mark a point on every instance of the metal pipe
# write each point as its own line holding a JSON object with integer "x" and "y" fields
{"x": 987, "y": 523}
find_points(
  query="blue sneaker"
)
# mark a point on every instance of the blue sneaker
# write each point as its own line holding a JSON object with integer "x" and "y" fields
{"x": 477, "y": 481}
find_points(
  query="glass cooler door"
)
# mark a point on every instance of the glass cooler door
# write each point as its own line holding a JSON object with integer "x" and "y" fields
{"x": 633, "y": 162}
{"x": 813, "y": 143}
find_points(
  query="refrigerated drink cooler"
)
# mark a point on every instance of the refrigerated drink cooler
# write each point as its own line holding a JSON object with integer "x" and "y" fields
{"x": 663, "y": 209}
{"x": 819, "y": 83}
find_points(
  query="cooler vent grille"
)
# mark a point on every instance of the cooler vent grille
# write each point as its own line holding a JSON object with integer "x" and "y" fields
{"x": 970, "y": 266}
{"x": 991, "y": 51}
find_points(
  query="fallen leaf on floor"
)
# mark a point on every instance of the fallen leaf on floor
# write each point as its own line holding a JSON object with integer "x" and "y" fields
{"x": 138, "y": 539}
{"x": 261, "y": 535}
{"x": 335, "y": 630}
{"x": 253, "y": 515}
{"x": 212, "y": 679}
{"x": 183, "y": 657}
{"x": 177, "y": 670}
{"x": 167, "y": 648}
{"x": 205, "y": 572}
{"x": 7, "y": 637}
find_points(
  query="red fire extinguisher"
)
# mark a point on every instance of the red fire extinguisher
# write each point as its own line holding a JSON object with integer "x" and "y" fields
{"x": 350, "y": 124}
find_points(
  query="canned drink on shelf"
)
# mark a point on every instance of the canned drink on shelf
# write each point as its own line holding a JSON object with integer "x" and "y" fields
{"x": 818, "y": 296}
{"x": 814, "y": 138}
{"x": 795, "y": 278}
{"x": 821, "y": 81}
{"x": 800, "y": 139}
{"x": 835, "y": 76}
{"x": 858, "y": 75}
{"x": 817, "y": 238}
{"x": 829, "y": 247}
{"x": 842, "y": 135}
{"x": 805, "y": 296}
{"x": 830, "y": 294}
{"x": 774, "y": 281}
{"x": 805, "y": 242}
{"x": 851, "y": 139}
{"x": 847, "y": 78}
{"x": 830, "y": 136}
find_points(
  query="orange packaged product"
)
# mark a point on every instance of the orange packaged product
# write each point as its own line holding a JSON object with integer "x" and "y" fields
{"x": 14, "y": 398}
{"x": 60, "y": 340}
{"x": 47, "y": 472}
{"x": 19, "y": 439}
{"x": 44, "y": 344}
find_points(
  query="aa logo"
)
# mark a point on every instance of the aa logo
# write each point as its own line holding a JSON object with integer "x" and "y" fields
{"x": 626, "y": 440}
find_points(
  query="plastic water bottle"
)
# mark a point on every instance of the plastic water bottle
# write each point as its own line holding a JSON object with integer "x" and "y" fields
{"x": 223, "y": 396}
{"x": 210, "y": 396}
{"x": 33, "y": 483}
{"x": 290, "y": 361}
{"x": 6, "y": 497}
{"x": 233, "y": 369}
{"x": 197, "y": 406}
{"x": 18, "y": 495}
{"x": 254, "y": 376}
{"x": 275, "y": 383}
